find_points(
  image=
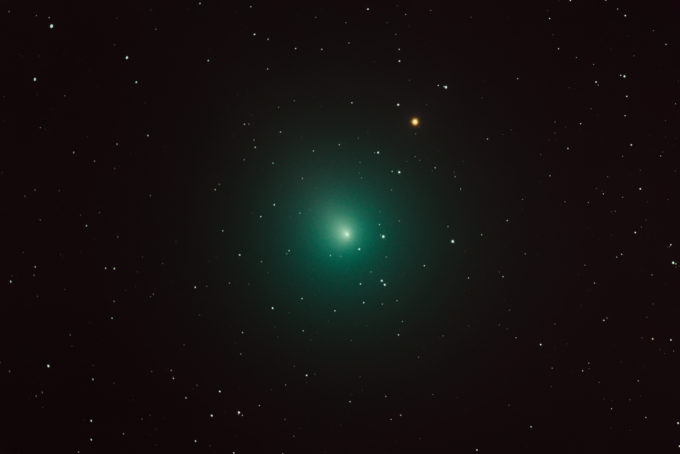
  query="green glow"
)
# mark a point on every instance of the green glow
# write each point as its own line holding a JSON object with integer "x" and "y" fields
{"x": 337, "y": 248}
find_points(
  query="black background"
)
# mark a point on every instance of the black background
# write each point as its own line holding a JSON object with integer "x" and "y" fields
{"x": 548, "y": 142}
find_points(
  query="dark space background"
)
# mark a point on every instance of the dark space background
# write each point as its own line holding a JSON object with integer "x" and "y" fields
{"x": 171, "y": 282}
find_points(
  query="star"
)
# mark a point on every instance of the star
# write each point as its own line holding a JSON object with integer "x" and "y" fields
{"x": 415, "y": 121}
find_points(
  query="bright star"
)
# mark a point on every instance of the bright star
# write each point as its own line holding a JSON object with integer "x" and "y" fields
{"x": 415, "y": 121}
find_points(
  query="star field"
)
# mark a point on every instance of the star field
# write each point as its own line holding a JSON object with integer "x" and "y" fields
{"x": 247, "y": 227}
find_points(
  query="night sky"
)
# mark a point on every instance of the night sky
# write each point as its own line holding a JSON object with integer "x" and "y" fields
{"x": 233, "y": 227}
